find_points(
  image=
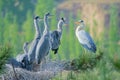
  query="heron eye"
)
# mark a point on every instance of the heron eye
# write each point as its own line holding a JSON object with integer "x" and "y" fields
{"x": 81, "y": 21}
{"x": 48, "y": 14}
{"x": 63, "y": 19}
{"x": 36, "y": 17}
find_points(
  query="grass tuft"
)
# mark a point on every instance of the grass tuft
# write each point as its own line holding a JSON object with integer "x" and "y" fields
{"x": 5, "y": 53}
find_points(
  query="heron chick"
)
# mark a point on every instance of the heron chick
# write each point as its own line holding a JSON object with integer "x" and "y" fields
{"x": 32, "y": 49}
{"x": 23, "y": 58}
{"x": 56, "y": 36}
{"x": 44, "y": 44}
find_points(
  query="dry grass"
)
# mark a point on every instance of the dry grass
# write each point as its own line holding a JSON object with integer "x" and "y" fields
{"x": 45, "y": 71}
{"x": 23, "y": 74}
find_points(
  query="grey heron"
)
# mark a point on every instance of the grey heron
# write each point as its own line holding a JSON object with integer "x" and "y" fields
{"x": 14, "y": 62}
{"x": 44, "y": 44}
{"x": 32, "y": 49}
{"x": 56, "y": 36}
{"x": 20, "y": 59}
{"x": 23, "y": 58}
{"x": 84, "y": 37}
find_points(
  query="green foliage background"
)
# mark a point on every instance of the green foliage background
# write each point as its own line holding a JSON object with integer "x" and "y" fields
{"x": 16, "y": 27}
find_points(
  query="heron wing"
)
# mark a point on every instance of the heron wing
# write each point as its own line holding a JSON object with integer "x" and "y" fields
{"x": 20, "y": 57}
{"x": 14, "y": 62}
{"x": 42, "y": 49}
{"x": 31, "y": 52}
{"x": 86, "y": 40}
{"x": 55, "y": 39}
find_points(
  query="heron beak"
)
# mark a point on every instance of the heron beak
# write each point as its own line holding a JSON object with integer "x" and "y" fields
{"x": 50, "y": 16}
{"x": 40, "y": 19}
{"x": 65, "y": 24}
{"x": 77, "y": 22}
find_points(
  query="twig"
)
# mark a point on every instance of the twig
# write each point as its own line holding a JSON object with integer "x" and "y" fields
{"x": 14, "y": 72}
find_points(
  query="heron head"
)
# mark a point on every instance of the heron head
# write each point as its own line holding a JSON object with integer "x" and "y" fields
{"x": 63, "y": 19}
{"x": 26, "y": 43}
{"x": 48, "y": 15}
{"x": 37, "y": 18}
{"x": 80, "y": 23}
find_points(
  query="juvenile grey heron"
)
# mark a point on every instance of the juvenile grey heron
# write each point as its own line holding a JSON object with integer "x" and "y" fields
{"x": 32, "y": 49}
{"x": 84, "y": 37}
{"x": 14, "y": 62}
{"x": 56, "y": 36}
{"x": 23, "y": 58}
{"x": 44, "y": 44}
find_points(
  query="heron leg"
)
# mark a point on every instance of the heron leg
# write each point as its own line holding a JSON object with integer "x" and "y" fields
{"x": 84, "y": 50}
{"x": 42, "y": 63}
{"x": 84, "y": 54}
{"x": 47, "y": 57}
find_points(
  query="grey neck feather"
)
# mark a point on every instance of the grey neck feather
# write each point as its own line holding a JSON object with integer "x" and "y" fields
{"x": 37, "y": 28}
{"x": 25, "y": 49}
{"x": 60, "y": 24}
{"x": 46, "y": 24}
{"x": 80, "y": 27}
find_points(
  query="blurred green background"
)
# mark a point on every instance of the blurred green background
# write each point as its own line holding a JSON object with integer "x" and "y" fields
{"x": 102, "y": 19}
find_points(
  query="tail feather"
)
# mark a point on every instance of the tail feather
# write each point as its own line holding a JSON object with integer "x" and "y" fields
{"x": 93, "y": 48}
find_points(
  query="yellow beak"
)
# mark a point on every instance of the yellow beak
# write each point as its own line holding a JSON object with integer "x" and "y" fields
{"x": 77, "y": 22}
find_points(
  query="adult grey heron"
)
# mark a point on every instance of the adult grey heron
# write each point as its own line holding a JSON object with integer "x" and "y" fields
{"x": 44, "y": 44}
{"x": 84, "y": 37}
{"x": 56, "y": 36}
{"x": 32, "y": 49}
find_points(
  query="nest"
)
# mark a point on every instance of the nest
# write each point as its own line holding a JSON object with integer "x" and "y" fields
{"x": 45, "y": 72}
{"x": 48, "y": 69}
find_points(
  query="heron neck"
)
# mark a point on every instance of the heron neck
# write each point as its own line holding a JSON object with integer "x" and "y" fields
{"x": 79, "y": 28}
{"x": 25, "y": 49}
{"x": 46, "y": 24}
{"x": 60, "y": 24}
{"x": 37, "y": 28}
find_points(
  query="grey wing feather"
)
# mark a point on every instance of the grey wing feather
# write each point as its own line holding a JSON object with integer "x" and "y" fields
{"x": 20, "y": 57}
{"x": 42, "y": 49}
{"x": 55, "y": 35}
{"x": 32, "y": 50}
{"x": 55, "y": 41}
{"x": 23, "y": 59}
{"x": 14, "y": 62}
{"x": 90, "y": 43}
